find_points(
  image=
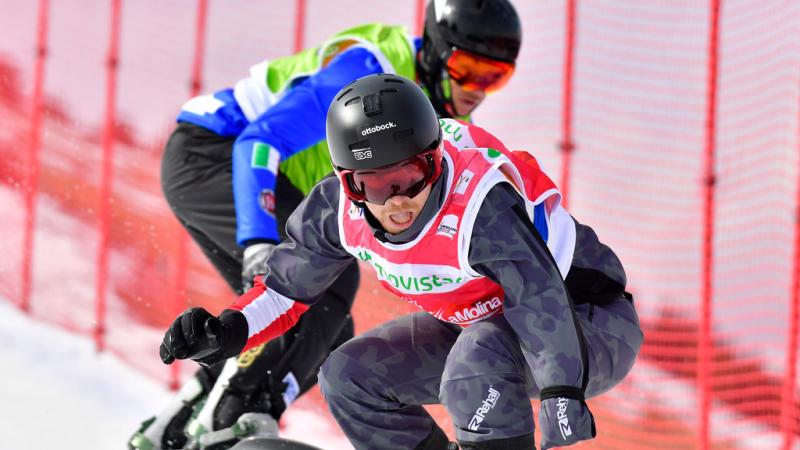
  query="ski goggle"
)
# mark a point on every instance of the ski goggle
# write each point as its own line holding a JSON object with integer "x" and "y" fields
{"x": 477, "y": 73}
{"x": 407, "y": 178}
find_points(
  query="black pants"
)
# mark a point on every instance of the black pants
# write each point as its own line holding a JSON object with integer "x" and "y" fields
{"x": 196, "y": 177}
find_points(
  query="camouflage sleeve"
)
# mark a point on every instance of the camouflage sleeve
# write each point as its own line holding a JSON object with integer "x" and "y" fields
{"x": 299, "y": 269}
{"x": 506, "y": 248}
{"x": 310, "y": 259}
{"x": 596, "y": 274}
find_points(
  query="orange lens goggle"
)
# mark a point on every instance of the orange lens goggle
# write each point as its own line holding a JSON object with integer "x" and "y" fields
{"x": 477, "y": 73}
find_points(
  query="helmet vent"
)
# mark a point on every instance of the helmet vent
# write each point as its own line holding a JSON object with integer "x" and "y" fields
{"x": 351, "y": 101}
{"x": 387, "y": 91}
{"x": 392, "y": 80}
{"x": 344, "y": 93}
{"x": 403, "y": 134}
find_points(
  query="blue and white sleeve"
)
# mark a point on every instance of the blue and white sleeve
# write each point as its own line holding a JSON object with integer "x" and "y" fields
{"x": 293, "y": 124}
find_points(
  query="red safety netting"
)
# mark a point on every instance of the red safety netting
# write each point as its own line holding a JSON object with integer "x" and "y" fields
{"x": 672, "y": 127}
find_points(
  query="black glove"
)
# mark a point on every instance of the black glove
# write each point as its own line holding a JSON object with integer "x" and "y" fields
{"x": 565, "y": 421}
{"x": 198, "y": 335}
{"x": 255, "y": 262}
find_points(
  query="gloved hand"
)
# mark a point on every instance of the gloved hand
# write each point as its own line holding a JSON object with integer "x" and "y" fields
{"x": 254, "y": 261}
{"x": 565, "y": 421}
{"x": 198, "y": 335}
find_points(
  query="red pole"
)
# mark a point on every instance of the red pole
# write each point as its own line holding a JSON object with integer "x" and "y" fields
{"x": 31, "y": 183}
{"x": 788, "y": 417}
{"x": 419, "y": 17}
{"x": 704, "y": 357}
{"x": 300, "y": 25}
{"x": 567, "y": 146}
{"x": 106, "y": 177}
{"x": 199, "y": 48}
{"x": 182, "y": 265}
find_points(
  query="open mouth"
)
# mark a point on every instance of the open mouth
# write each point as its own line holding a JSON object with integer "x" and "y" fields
{"x": 401, "y": 219}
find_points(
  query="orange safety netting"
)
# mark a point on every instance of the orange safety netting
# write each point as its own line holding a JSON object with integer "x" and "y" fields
{"x": 673, "y": 124}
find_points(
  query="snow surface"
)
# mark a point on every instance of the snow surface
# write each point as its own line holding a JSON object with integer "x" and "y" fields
{"x": 57, "y": 392}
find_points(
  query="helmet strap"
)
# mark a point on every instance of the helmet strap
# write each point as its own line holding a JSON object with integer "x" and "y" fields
{"x": 433, "y": 77}
{"x": 447, "y": 94}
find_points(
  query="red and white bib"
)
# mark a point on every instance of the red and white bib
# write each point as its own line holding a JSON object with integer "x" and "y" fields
{"x": 432, "y": 272}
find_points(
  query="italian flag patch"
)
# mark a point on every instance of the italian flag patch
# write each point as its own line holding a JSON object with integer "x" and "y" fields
{"x": 265, "y": 157}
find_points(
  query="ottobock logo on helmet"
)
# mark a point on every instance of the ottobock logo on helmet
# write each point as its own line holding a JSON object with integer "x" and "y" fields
{"x": 377, "y": 128}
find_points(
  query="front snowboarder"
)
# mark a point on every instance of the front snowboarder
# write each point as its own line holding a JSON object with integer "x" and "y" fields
{"x": 518, "y": 299}
{"x": 242, "y": 159}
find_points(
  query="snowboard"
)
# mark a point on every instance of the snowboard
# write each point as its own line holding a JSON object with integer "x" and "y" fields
{"x": 271, "y": 443}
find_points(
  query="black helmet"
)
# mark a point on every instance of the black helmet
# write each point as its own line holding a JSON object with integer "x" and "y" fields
{"x": 378, "y": 121}
{"x": 490, "y": 28}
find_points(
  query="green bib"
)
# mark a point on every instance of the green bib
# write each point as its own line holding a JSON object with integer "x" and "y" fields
{"x": 393, "y": 48}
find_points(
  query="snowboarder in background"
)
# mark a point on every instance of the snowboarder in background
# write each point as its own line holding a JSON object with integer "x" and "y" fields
{"x": 517, "y": 298}
{"x": 241, "y": 160}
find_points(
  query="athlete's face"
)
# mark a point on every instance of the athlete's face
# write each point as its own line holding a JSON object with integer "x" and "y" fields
{"x": 465, "y": 102}
{"x": 399, "y": 212}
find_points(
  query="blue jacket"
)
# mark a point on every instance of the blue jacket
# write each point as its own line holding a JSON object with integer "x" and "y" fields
{"x": 294, "y": 123}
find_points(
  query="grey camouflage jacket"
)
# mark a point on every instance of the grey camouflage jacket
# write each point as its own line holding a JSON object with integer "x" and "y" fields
{"x": 504, "y": 247}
